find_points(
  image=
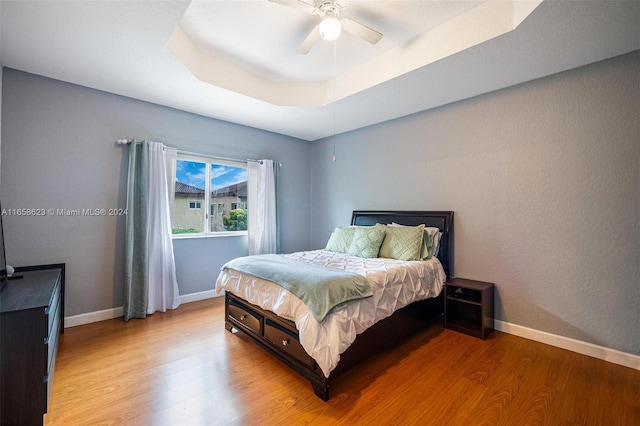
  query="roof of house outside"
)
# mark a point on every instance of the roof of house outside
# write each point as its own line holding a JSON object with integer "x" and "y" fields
{"x": 183, "y": 188}
{"x": 235, "y": 190}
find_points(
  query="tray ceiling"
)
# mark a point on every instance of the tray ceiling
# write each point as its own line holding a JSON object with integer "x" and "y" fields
{"x": 236, "y": 61}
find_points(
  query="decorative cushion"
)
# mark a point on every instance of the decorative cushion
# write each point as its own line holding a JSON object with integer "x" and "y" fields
{"x": 402, "y": 242}
{"x": 430, "y": 242}
{"x": 366, "y": 242}
{"x": 341, "y": 239}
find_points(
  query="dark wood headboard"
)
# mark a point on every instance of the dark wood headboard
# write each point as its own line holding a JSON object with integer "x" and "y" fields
{"x": 443, "y": 220}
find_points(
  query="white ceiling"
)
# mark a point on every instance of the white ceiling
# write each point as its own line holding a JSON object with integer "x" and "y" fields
{"x": 235, "y": 60}
{"x": 265, "y": 35}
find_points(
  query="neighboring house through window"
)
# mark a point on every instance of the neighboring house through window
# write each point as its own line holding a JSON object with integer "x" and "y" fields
{"x": 220, "y": 185}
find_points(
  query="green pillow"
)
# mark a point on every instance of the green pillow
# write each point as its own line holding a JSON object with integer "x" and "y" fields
{"x": 428, "y": 241}
{"x": 340, "y": 239}
{"x": 366, "y": 242}
{"x": 402, "y": 242}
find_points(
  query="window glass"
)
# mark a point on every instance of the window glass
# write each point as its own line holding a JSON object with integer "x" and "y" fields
{"x": 222, "y": 186}
{"x": 189, "y": 192}
{"x": 228, "y": 190}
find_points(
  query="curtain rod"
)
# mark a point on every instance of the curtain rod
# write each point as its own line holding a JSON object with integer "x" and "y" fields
{"x": 197, "y": 154}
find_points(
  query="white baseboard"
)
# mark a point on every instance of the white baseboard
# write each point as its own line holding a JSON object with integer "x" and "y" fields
{"x": 194, "y": 297}
{"x": 584, "y": 348}
{"x": 600, "y": 352}
{"x": 107, "y": 314}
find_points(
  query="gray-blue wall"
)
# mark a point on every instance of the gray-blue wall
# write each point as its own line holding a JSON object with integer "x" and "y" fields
{"x": 58, "y": 152}
{"x": 544, "y": 180}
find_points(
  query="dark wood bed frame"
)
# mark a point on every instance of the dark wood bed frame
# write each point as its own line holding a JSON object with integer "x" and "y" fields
{"x": 280, "y": 336}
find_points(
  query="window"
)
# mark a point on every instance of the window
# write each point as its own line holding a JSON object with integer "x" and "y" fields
{"x": 217, "y": 209}
{"x": 220, "y": 185}
{"x": 241, "y": 205}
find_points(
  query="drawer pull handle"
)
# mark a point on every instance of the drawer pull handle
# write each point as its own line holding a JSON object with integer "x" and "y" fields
{"x": 285, "y": 342}
{"x": 243, "y": 317}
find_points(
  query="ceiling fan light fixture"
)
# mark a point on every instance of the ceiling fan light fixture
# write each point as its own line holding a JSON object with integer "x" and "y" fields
{"x": 330, "y": 28}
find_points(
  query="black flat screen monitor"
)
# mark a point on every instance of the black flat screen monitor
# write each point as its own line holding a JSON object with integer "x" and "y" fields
{"x": 3, "y": 259}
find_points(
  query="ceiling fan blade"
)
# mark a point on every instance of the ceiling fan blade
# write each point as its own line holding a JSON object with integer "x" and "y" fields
{"x": 297, "y": 4}
{"x": 362, "y": 31}
{"x": 308, "y": 42}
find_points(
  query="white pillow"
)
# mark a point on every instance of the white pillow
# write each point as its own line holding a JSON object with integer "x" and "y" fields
{"x": 436, "y": 243}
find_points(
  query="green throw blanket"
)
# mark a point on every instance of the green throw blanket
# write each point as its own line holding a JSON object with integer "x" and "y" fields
{"x": 322, "y": 289}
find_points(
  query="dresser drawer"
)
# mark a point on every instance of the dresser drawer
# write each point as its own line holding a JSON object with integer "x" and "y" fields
{"x": 52, "y": 311}
{"x": 48, "y": 379}
{"x": 287, "y": 342}
{"x": 51, "y": 342}
{"x": 245, "y": 317}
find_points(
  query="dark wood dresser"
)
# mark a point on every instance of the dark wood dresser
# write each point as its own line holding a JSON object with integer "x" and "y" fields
{"x": 31, "y": 321}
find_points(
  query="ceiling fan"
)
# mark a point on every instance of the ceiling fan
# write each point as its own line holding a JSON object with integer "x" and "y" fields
{"x": 330, "y": 26}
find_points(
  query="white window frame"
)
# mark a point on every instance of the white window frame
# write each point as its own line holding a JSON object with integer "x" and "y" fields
{"x": 208, "y": 161}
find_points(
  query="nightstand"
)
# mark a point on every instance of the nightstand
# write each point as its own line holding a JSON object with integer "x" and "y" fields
{"x": 468, "y": 307}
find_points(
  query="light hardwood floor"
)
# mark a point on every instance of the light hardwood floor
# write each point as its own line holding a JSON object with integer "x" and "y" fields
{"x": 184, "y": 368}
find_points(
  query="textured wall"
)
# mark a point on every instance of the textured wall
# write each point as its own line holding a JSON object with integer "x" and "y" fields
{"x": 544, "y": 180}
{"x": 58, "y": 152}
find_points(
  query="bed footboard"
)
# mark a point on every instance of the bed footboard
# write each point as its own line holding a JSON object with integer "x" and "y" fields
{"x": 280, "y": 337}
{"x": 276, "y": 335}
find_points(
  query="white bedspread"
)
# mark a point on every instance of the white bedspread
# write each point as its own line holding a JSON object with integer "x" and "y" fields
{"x": 395, "y": 284}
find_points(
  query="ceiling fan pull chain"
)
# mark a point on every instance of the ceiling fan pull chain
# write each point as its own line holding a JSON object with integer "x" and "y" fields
{"x": 335, "y": 83}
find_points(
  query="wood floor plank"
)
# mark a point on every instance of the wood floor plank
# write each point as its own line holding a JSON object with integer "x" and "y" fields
{"x": 183, "y": 368}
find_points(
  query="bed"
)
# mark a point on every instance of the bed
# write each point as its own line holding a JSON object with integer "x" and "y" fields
{"x": 322, "y": 348}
